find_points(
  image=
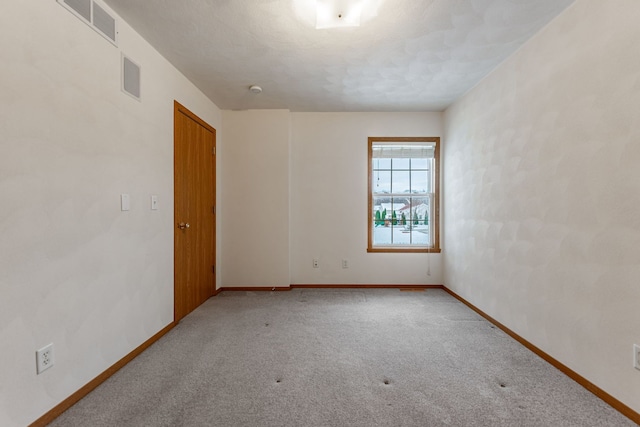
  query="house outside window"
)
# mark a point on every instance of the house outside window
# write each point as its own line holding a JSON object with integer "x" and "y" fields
{"x": 404, "y": 194}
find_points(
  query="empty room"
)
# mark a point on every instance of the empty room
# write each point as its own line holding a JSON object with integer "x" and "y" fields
{"x": 320, "y": 213}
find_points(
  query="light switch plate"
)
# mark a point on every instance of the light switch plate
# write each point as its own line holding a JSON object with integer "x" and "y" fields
{"x": 154, "y": 202}
{"x": 125, "y": 202}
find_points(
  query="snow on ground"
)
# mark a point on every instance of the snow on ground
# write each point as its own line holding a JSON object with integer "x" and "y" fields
{"x": 401, "y": 235}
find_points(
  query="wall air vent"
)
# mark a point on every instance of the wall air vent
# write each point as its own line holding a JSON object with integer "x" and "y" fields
{"x": 130, "y": 78}
{"x": 81, "y": 7}
{"x": 104, "y": 23}
{"x": 95, "y": 16}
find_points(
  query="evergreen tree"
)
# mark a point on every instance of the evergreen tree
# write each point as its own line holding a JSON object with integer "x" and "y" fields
{"x": 415, "y": 217}
{"x": 394, "y": 218}
{"x": 377, "y": 222}
{"x": 426, "y": 218}
{"x": 403, "y": 219}
{"x": 384, "y": 215}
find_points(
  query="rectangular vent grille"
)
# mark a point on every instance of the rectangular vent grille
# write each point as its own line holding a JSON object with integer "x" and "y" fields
{"x": 130, "y": 78}
{"x": 95, "y": 16}
{"x": 81, "y": 7}
{"x": 104, "y": 22}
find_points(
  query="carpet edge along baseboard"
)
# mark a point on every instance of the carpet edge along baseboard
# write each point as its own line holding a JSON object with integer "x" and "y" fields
{"x": 67, "y": 403}
{"x": 597, "y": 391}
{"x": 600, "y": 393}
{"x": 323, "y": 286}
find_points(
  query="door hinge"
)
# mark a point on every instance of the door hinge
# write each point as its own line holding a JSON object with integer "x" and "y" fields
{"x": 213, "y": 210}
{"x": 213, "y": 151}
{"x": 213, "y": 269}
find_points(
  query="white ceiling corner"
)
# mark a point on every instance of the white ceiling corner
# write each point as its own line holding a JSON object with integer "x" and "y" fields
{"x": 415, "y": 55}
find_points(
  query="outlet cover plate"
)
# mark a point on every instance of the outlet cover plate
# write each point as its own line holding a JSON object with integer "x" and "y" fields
{"x": 44, "y": 358}
{"x": 125, "y": 202}
{"x": 636, "y": 356}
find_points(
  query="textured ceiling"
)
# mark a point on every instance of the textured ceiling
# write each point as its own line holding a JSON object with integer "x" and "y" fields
{"x": 415, "y": 55}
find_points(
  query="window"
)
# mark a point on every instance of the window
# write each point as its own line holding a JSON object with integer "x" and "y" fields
{"x": 404, "y": 195}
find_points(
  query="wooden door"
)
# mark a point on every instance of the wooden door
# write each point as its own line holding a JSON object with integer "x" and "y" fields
{"x": 194, "y": 211}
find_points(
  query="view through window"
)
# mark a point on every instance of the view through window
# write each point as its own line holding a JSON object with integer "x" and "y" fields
{"x": 403, "y": 194}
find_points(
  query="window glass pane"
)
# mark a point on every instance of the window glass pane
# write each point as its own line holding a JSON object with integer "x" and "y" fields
{"x": 420, "y": 208}
{"x": 402, "y": 235}
{"x": 420, "y": 163}
{"x": 381, "y": 182}
{"x": 381, "y": 163}
{"x": 395, "y": 220}
{"x": 420, "y": 224}
{"x": 382, "y": 208}
{"x": 402, "y": 228}
{"x": 400, "y": 182}
{"x": 382, "y": 236}
{"x": 413, "y": 217}
{"x": 400, "y": 163}
{"x": 420, "y": 236}
{"x": 376, "y": 212}
{"x": 420, "y": 182}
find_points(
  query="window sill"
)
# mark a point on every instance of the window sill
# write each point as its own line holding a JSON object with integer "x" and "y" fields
{"x": 405, "y": 250}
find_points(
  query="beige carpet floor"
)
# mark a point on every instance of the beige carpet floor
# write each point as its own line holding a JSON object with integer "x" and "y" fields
{"x": 374, "y": 357}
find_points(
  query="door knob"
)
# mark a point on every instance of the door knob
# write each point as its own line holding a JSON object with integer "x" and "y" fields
{"x": 183, "y": 226}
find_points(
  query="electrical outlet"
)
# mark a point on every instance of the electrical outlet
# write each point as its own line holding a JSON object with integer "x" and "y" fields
{"x": 345, "y": 263}
{"x": 316, "y": 264}
{"x": 44, "y": 358}
{"x": 636, "y": 356}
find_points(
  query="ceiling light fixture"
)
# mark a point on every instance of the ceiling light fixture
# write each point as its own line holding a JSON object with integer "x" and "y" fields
{"x": 255, "y": 89}
{"x": 336, "y": 13}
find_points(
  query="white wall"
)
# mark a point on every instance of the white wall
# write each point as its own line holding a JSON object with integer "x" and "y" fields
{"x": 74, "y": 269}
{"x": 329, "y": 199}
{"x": 542, "y": 193}
{"x": 255, "y": 201}
{"x": 286, "y": 175}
